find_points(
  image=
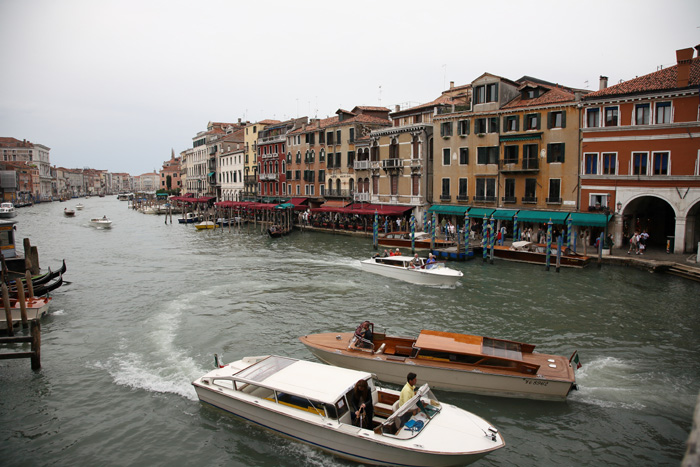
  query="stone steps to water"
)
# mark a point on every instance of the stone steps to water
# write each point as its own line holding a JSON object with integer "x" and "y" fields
{"x": 681, "y": 270}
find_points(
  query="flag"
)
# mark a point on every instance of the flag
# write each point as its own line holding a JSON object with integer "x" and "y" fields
{"x": 576, "y": 360}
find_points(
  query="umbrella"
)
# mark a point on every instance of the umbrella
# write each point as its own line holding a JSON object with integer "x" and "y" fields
{"x": 413, "y": 233}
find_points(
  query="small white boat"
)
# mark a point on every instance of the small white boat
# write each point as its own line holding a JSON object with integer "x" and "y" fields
{"x": 7, "y": 211}
{"x": 189, "y": 218}
{"x": 206, "y": 225}
{"x": 79, "y": 207}
{"x": 310, "y": 402}
{"x": 402, "y": 268}
{"x": 36, "y": 308}
{"x": 102, "y": 222}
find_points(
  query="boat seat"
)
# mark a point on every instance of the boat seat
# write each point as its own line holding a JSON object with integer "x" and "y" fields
{"x": 403, "y": 350}
{"x": 395, "y": 407}
{"x": 382, "y": 407}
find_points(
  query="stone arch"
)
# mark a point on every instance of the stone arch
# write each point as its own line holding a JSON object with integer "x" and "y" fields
{"x": 652, "y": 213}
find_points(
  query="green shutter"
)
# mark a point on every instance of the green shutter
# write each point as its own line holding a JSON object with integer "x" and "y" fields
{"x": 562, "y": 152}
{"x": 468, "y": 122}
{"x": 563, "y": 118}
{"x": 517, "y": 123}
{"x": 539, "y": 118}
{"x": 550, "y": 118}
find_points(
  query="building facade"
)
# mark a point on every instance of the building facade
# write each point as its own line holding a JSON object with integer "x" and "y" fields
{"x": 640, "y": 147}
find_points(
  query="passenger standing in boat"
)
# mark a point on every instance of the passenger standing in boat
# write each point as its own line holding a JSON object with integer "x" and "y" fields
{"x": 363, "y": 333}
{"x": 360, "y": 402}
{"x": 386, "y": 254}
{"x": 409, "y": 389}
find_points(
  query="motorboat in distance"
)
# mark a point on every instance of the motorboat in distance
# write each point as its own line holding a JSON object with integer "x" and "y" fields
{"x": 453, "y": 362}
{"x": 421, "y": 240}
{"x": 101, "y": 222}
{"x": 206, "y": 225}
{"x": 536, "y": 253}
{"x": 311, "y": 402}
{"x": 7, "y": 211}
{"x": 68, "y": 212}
{"x": 405, "y": 269}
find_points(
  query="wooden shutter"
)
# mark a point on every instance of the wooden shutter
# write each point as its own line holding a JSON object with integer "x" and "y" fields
{"x": 563, "y": 118}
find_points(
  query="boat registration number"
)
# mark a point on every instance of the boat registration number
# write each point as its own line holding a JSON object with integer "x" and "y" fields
{"x": 535, "y": 382}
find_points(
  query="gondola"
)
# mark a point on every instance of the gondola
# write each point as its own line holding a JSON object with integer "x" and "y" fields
{"x": 276, "y": 231}
{"x": 41, "y": 290}
{"x": 44, "y": 278}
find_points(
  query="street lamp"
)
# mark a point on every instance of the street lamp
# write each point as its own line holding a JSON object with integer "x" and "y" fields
{"x": 619, "y": 207}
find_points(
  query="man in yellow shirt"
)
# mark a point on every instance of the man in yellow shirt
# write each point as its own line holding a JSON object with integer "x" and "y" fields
{"x": 409, "y": 389}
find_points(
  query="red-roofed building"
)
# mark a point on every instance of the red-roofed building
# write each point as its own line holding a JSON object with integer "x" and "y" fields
{"x": 170, "y": 174}
{"x": 640, "y": 154}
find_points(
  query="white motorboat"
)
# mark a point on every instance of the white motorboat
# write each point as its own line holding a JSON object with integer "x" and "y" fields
{"x": 453, "y": 362}
{"x": 102, "y": 222}
{"x": 79, "y": 206}
{"x": 310, "y": 402}
{"x": 7, "y": 210}
{"x": 36, "y": 307}
{"x": 402, "y": 268}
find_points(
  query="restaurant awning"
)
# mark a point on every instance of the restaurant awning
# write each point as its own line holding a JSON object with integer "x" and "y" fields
{"x": 298, "y": 201}
{"x": 505, "y": 214}
{"x": 557, "y": 217}
{"x": 480, "y": 212}
{"x": 381, "y": 209}
{"x": 335, "y": 203}
{"x": 589, "y": 219}
{"x": 448, "y": 210}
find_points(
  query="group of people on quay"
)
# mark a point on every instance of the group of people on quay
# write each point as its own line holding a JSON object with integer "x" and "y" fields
{"x": 638, "y": 242}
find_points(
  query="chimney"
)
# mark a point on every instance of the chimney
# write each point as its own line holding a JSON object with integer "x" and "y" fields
{"x": 684, "y": 57}
{"x": 452, "y": 84}
{"x": 397, "y": 108}
{"x": 603, "y": 83}
{"x": 697, "y": 47}
{"x": 239, "y": 121}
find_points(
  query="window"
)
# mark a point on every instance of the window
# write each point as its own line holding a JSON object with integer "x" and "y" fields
{"x": 462, "y": 195}
{"x": 337, "y": 160}
{"x": 641, "y": 114}
{"x": 597, "y": 201}
{"x": 555, "y": 152}
{"x": 511, "y": 123}
{"x": 445, "y": 156}
{"x": 611, "y": 116}
{"x": 510, "y": 155}
{"x": 445, "y": 188}
{"x": 530, "y": 152}
{"x": 509, "y": 191}
{"x": 493, "y": 125}
{"x": 486, "y": 93}
{"x": 322, "y": 155}
{"x": 485, "y": 189}
{"x": 556, "y": 119}
{"x": 463, "y": 127}
{"x": 532, "y": 121}
{"x": 480, "y": 125}
{"x": 590, "y": 164}
{"x": 609, "y": 163}
{"x": 530, "y": 190}
{"x": 592, "y": 118}
{"x": 463, "y": 156}
{"x": 337, "y": 137}
{"x": 639, "y": 163}
{"x": 446, "y": 129}
{"x": 351, "y": 158}
{"x": 479, "y": 94}
{"x": 660, "y": 163}
{"x": 663, "y": 112}
{"x": 487, "y": 155}
{"x": 554, "y": 190}
{"x": 329, "y": 137}
{"x": 352, "y": 135}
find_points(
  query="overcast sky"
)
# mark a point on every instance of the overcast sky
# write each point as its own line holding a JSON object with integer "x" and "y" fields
{"x": 115, "y": 85}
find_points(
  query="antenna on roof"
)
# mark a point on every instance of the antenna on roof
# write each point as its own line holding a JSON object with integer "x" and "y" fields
{"x": 380, "y": 95}
{"x": 444, "y": 75}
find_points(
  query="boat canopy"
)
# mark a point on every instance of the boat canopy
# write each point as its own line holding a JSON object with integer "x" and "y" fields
{"x": 303, "y": 378}
{"x": 449, "y": 342}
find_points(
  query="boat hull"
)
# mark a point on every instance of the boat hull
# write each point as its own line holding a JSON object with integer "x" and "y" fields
{"x": 503, "y": 252}
{"x": 413, "y": 276}
{"x": 8, "y": 214}
{"x": 36, "y": 308}
{"x": 342, "y": 440}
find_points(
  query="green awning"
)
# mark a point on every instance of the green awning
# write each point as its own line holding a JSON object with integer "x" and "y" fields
{"x": 504, "y": 214}
{"x": 211, "y": 173}
{"x": 447, "y": 209}
{"x": 557, "y": 217}
{"x": 480, "y": 212}
{"x": 285, "y": 206}
{"x": 589, "y": 219}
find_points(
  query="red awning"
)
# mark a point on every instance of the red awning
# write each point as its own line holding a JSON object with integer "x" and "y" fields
{"x": 204, "y": 199}
{"x": 297, "y": 201}
{"x": 367, "y": 209}
{"x": 335, "y": 203}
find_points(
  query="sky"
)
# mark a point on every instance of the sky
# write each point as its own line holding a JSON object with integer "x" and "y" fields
{"x": 115, "y": 85}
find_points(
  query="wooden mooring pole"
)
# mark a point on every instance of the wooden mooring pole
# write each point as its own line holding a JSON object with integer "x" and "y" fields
{"x": 34, "y": 339}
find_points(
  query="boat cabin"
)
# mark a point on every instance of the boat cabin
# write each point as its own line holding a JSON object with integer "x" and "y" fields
{"x": 7, "y": 238}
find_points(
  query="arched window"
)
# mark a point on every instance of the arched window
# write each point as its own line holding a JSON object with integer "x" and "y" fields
{"x": 337, "y": 184}
{"x": 352, "y": 185}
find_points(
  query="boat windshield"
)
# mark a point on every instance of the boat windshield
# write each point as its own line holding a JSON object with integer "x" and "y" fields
{"x": 264, "y": 369}
{"x": 499, "y": 348}
{"x": 424, "y": 400}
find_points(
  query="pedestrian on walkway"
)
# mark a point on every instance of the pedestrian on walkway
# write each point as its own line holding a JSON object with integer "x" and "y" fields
{"x": 634, "y": 239}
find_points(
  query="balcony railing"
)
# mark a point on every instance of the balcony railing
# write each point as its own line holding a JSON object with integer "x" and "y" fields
{"x": 509, "y": 199}
{"x": 444, "y": 197}
{"x": 512, "y": 165}
{"x": 391, "y": 163}
{"x": 416, "y": 162}
{"x": 362, "y": 197}
{"x": 529, "y": 199}
{"x": 339, "y": 193}
{"x": 462, "y": 198}
{"x": 484, "y": 199}
{"x": 362, "y": 165}
{"x": 272, "y": 155}
{"x": 553, "y": 200}
{"x": 269, "y": 176}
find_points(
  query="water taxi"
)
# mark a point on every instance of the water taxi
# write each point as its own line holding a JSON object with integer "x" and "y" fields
{"x": 413, "y": 270}
{"x": 7, "y": 211}
{"x": 311, "y": 402}
{"x": 535, "y": 253}
{"x": 101, "y": 222}
{"x": 421, "y": 240}
{"x": 453, "y": 362}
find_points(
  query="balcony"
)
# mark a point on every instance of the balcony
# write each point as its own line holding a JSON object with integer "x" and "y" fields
{"x": 416, "y": 163}
{"x": 512, "y": 165}
{"x": 509, "y": 200}
{"x": 339, "y": 193}
{"x": 272, "y": 155}
{"x": 484, "y": 199}
{"x": 362, "y": 165}
{"x": 462, "y": 198}
{"x": 444, "y": 197}
{"x": 529, "y": 199}
{"x": 362, "y": 197}
{"x": 269, "y": 176}
{"x": 391, "y": 164}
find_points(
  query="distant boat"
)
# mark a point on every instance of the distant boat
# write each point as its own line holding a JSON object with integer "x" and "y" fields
{"x": 79, "y": 207}
{"x": 402, "y": 239}
{"x": 276, "y": 231}
{"x": 190, "y": 218}
{"x": 536, "y": 253}
{"x": 68, "y": 212}
{"x": 102, "y": 222}
{"x": 7, "y": 211}
{"x": 206, "y": 225}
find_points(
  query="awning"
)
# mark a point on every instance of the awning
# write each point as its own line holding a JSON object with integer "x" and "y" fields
{"x": 505, "y": 214}
{"x": 298, "y": 201}
{"x": 505, "y": 139}
{"x": 557, "y": 217}
{"x": 448, "y": 210}
{"x": 381, "y": 209}
{"x": 285, "y": 206}
{"x": 335, "y": 203}
{"x": 212, "y": 173}
{"x": 480, "y": 212}
{"x": 589, "y": 219}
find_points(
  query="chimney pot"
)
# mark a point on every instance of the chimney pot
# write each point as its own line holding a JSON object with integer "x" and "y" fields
{"x": 603, "y": 82}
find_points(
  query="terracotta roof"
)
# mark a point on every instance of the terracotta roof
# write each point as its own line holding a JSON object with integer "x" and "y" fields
{"x": 370, "y": 108}
{"x": 553, "y": 95}
{"x": 268, "y": 122}
{"x": 661, "y": 80}
{"x": 14, "y": 143}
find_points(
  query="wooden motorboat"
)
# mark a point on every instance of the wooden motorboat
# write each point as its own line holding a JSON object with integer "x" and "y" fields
{"x": 311, "y": 403}
{"x": 68, "y": 212}
{"x": 402, "y": 239}
{"x": 36, "y": 308}
{"x": 102, "y": 222}
{"x": 403, "y": 268}
{"x": 453, "y": 362}
{"x": 276, "y": 231}
{"x": 205, "y": 225}
{"x": 536, "y": 253}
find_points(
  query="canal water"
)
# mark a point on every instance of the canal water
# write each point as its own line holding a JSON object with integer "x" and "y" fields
{"x": 150, "y": 303}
